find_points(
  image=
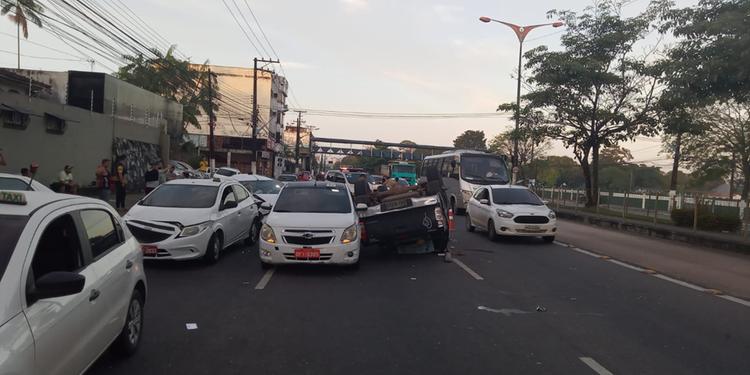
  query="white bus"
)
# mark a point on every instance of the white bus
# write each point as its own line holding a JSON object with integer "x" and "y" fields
{"x": 463, "y": 171}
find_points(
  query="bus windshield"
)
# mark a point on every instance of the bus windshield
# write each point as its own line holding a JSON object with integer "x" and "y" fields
{"x": 403, "y": 168}
{"x": 483, "y": 169}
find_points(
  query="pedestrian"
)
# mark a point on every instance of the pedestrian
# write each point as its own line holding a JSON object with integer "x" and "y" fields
{"x": 119, "y": 180}
{"x": 102, "y": 180}
{"x": 203, "y": 165}
{"x": 152, "y": 178}
{"x": 25, "y": 172}
{"x": 66, "y": 182}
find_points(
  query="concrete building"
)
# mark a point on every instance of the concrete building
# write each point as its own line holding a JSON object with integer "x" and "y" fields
{"x": 234, "y": 143}
{"x": 78, "y": 118}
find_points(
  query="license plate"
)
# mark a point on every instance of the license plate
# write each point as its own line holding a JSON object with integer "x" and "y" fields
{"x": 394, "y": 205}
{"x": 149, "y": 250}
{"x": 306, "y": 253}
{"x": 531, "y": 227}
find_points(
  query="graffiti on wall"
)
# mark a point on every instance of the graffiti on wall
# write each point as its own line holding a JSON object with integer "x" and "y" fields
{"x": 136, "y": 157}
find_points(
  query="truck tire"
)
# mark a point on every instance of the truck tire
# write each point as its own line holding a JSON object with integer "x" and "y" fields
{"x": 440, "y": 241}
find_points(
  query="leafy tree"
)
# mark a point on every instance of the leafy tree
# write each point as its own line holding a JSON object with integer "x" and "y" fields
{"x": 532, "y": 140}
{"x": 175, "y": 79}
{"x": 471, "y": 140}
{"x": 555, "y": 171}
{"x": 615, "y": 155}
{"x": 23, "y": 12}
{"x": 595, "y": 92}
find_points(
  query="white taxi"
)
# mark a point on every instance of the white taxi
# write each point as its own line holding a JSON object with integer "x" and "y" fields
{"x": 311, "y": 222}
{"x": 71, "y": 283}
{"x": 509, "y": 210}
{"x": 194, "y": 218}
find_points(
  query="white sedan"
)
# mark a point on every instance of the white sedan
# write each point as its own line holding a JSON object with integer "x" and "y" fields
{"x": 71, "y": 283}
{"x": 265, "y": 188}
{"x": 507, "y": 210}
{"x": 311, "y": 222}
{"x": 193, "y": 218}
{"x": 18, "y": 182}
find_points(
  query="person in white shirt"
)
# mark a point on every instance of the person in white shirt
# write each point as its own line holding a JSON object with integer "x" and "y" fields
{"x": 67, "y": 183}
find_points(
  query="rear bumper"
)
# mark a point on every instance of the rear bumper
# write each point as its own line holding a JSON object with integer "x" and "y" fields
{"x": 403, "y": 225}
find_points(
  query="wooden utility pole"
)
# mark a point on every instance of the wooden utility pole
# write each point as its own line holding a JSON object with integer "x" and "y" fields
{"x": 211, "y": 119}
{"x": 296, "y": 144}
{"x": 255, "y": 92}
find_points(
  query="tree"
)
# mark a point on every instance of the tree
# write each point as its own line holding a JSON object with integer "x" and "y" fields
{"x": 556, "y": 171}
{"x": 615, "y": 155}
{"x": 532, "y": 140}
{"x": 23, "y": 11}
{"x": 596, "y": 92}
{"x": 471, "y": 140}
{"x": 174, "y": 79}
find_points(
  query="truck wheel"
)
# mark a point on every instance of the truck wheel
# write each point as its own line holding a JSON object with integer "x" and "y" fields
{"x": 548, "y": 239}
{"x": 440, "y": 241}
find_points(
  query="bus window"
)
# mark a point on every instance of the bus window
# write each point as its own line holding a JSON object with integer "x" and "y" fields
{"x": 454, "y": 168}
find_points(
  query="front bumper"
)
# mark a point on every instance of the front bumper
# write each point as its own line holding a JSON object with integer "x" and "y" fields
{"x": 181, "y": 248}
{"x": 508, "y": 227}
{"x": 282, "y": 253}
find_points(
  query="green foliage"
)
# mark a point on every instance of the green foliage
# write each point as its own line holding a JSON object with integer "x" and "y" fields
{"x": 23, "y": 11}
{"x": 706, "y": 220}
{"x": 471, "y": 140}
{"x": 555, "y": 171}
{"x": 532, "y": 140}
{"x": 175, "y": 79}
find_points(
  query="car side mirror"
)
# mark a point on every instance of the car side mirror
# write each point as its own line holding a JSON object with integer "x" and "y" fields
{"x": 58, "y": 284}
{"x": 361, "y": 207}
{"x": 265, "y": 206}
{"x": 484, "y": 201}
{"x": 546, "y": 202}
{"x": 230, "y": 204}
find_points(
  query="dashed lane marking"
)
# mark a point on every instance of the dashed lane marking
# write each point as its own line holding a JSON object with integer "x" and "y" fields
{"x": 467, "y": 269}
{"x": 265, "y": 279}
{"x": 599, "y": 369}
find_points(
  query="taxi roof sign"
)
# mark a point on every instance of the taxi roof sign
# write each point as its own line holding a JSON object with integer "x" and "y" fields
{"x": 12, "y": 197}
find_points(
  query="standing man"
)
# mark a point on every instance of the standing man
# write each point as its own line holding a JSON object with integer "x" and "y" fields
{"x": 152, "y": 177}
{"x": 102, "y": 180}
{"x": 119, "y": 180}
{"x": 67, "y": 185}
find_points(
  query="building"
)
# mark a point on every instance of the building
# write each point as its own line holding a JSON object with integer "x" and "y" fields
{"x": 78, "y": 118}
{"x": 234, "y": 144}
{"x": 290, "y": 140}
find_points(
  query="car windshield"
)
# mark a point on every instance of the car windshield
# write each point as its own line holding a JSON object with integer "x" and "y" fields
{"x": 12, "y": 226}
{"x": 225, "y": 172}
{"x": 484, "y": 169}
{"x": 182, "y": 196}
{"x": 8, "y": 183}
{"x": 403, "y": 168}
{"x": 515, "y": 196}
{"x": 314, "y": 199}
{"x": 352, "y": 177}
{"x": 263, "y": 186}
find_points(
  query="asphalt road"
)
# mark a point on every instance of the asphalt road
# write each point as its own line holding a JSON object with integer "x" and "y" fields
{"x": 515, "y": 307}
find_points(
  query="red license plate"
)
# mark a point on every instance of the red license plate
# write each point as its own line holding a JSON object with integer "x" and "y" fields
{"x": 149, "y": 250}
{"x": 306, "y": 253}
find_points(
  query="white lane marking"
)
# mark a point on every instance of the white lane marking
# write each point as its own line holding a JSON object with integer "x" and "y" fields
{"x": 680, "y": 282}
{"x": 582, "y": 251}
{"x": 467, "y": 269}
{"x": 563, "y": 244}
{"x": 632, "y": 267}
{"x": 265, "y": 279}
{"x": 736, "y": 300}
{"x": 595, "y": 366}
{"x": 506, "y": 312}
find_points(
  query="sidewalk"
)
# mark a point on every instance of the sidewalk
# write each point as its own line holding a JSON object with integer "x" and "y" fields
{"x": 712, "y": 268}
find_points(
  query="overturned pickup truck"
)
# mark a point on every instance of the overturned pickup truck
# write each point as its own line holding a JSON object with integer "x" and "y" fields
{"x": 413, "y": 217}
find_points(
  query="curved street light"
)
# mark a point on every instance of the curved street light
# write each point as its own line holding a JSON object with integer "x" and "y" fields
{"x": 521, "y": 32}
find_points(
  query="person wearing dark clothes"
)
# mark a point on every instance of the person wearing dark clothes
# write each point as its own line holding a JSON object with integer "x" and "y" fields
{"x": 119, "y": 180}
{"x": 152, "y": 178}
{"x": 361, "y": 189}
{"x": 102, "y": 180}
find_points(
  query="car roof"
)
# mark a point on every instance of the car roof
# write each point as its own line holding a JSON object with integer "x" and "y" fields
{"x": 314, "y": 184}
{"x": 36, "y": 185}
{"x": 508, "y": 186}
{"x": 37, "y": 199}
{"x": 250, "y": 177}
{"x": 199, "y": 181}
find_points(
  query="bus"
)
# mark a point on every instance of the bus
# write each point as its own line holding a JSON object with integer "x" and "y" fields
{"x": 404, "y": 170}
{"x": 463, "y": 171}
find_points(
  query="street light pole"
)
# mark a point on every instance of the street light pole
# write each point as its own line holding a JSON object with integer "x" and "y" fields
{"x": 521, "y": 32}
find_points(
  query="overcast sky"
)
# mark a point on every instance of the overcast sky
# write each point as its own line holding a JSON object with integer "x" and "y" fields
{"x": 361, "y": 55}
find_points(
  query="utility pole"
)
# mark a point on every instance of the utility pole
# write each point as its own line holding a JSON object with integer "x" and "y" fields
{"x": 255, "y": 92}
{"x": 211, "y": 121}
{"x": 296, "y": 144}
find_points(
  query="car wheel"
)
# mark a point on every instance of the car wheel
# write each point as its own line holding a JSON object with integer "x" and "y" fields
{"x": 265, "y": 266}
{"x": 548, "y": 239}
{"x": 254, "y": 233}
{"x": 213, "y": 251}
{"x": 469, "y": 226}
{"x": 491, "y": 234}
{"x": 355, "y": 265}
{"x": 130, "y": 336}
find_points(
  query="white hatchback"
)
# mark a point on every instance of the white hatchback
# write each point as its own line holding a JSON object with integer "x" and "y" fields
{"x": 507, "y": 210}
{"x": 193, "y": 218}
{"x": 311, "y": 222}
{"x": 71, "y": 283}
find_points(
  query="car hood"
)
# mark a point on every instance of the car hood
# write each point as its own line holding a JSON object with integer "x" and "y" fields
{"x": 184, "y": 216}
{"x": 524, "y": 209}
{"x": 310, "y": 220}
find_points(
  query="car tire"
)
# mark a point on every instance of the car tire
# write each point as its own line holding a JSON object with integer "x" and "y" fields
{"x": 469, "y": 226}
{"x": 265, "y": 266}
{"x": 127, "y": 342}
{"x": 548, "y": 239}
{"x": 254, "y": 233}
{"x": 354, "y": 266}
{"x": 491, "y": 234}
{"x": 213, "y": 250}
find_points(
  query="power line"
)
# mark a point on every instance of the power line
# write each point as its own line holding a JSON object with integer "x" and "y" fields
{"x": 240, "y": 25}
{"x": 42, "y": 57}
{"x": 250, "y": 28}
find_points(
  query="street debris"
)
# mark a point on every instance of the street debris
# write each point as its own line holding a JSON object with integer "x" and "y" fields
{"x": 191, "y": 326}
{"x": 541, "y": 309}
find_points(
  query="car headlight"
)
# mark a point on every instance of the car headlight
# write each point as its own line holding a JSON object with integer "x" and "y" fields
{"x": 504, "y": 214}
{"x": 552, "y": 215}
{"x": 193, "y": 229}
{"x": 266, "y": 234}
{"x": 350, "y": 234}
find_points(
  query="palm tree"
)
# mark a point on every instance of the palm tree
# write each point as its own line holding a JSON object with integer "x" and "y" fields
{"x": 25, "y": 10}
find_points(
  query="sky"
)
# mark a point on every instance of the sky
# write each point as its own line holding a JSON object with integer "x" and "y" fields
{"x": 361, "y": 55}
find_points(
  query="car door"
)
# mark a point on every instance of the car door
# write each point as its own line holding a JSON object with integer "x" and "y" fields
{"x": 482, "y": 209}
{"x": 113, "y": 258}
{"x": 63, "y": 327}
{"x": 229, "y": 217}
{"x": 246, "y": 207}
{"x": 473, "y": 209}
